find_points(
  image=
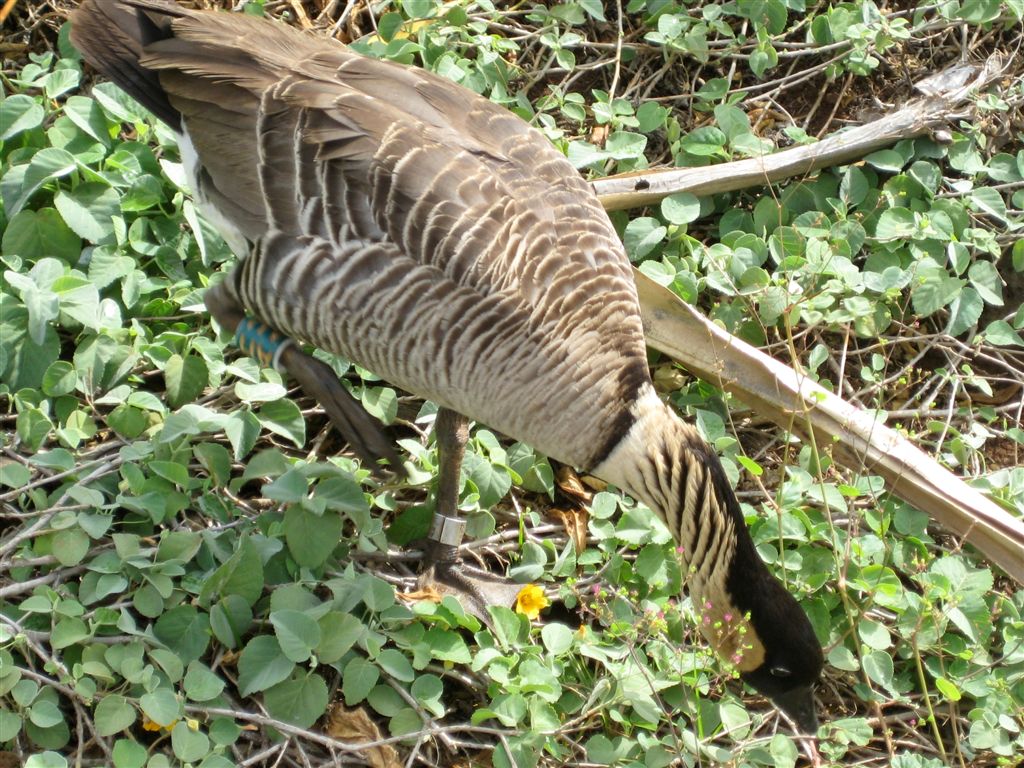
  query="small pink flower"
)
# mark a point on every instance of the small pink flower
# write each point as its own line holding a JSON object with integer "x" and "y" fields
{"x": 707, "y": 605}
{"x": 596, "y": 589}
{"x": 728, "y": 618}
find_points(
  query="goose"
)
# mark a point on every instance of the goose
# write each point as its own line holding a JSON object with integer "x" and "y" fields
{"x": 388, "y": 215}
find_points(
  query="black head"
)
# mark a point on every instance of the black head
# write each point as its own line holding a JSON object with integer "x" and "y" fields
{"x": 792, "y": 659}
{"x": 779, "y": 654}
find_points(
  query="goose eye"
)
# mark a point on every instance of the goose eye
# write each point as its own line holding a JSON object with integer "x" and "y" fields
{"x": 780, "y": 672}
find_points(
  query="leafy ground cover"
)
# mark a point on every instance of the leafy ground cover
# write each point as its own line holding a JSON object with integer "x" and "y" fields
{"x": 194, "y": 572}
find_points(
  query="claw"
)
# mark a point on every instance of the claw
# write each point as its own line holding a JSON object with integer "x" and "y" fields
{"x": 476, "y": 589}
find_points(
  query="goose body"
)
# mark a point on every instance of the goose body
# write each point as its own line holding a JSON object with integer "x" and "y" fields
{"x": 391, "y": 216}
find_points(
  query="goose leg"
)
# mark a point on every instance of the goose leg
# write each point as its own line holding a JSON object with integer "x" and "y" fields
{"x": 364, "y": 433}
{"x": 443, "y": 570}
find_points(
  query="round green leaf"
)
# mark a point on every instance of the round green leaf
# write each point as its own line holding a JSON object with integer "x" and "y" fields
{"x": 358, "y": 680}
{"x": 113, "y": 714}
{"x": 189, "y": 746}
{"x": 557, "y": 638}
{"x": 300, "y": 700}
{"x": 261, "y": 665}
{"x": 161, "y": 706}
{"x": 201, "y": 684}
{"x": 297, "y": 633}
{"x": 680, "y": 208}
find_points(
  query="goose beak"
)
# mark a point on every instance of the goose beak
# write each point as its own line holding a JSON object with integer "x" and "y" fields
{"x": 798, "y": 704}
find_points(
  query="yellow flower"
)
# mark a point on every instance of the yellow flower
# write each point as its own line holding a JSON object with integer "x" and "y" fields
{"x": 530, "y": 600}
{"x": 149, "y": 725}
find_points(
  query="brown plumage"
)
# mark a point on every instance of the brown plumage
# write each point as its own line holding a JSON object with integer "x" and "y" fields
{"x": 391, "y": 216}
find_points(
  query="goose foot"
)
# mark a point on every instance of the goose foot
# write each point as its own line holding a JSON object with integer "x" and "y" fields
{"x": 445, "y": 573}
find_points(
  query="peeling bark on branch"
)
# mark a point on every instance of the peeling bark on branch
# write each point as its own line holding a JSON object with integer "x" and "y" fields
{"x": 945, "y": 93}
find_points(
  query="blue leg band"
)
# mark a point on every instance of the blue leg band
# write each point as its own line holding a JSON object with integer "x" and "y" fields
{"x": 261, "y": 341}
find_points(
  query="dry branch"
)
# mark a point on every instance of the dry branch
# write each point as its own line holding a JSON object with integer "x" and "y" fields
{"x": 857, "y": 438}
{"x": 945, "y": 93}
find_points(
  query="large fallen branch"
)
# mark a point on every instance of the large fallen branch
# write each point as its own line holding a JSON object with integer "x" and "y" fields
{"x": 790, "y": 399}
{"x": 857, "y": 438}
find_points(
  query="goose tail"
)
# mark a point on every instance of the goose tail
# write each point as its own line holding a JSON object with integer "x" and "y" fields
{"x": 112, "y": 35}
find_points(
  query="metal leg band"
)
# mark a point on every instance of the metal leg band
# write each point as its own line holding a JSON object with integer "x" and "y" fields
{"x": 447, "y": 530}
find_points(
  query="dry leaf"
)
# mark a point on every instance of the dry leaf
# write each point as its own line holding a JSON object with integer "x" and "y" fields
{"x": 598, "y": 135}
{"x": 427, "y": 593}
{"x": 575, "y": 523}
{"x": 356, "y": 727}
{"x": 595, "y": 484}
{"x": 569, "y": 483}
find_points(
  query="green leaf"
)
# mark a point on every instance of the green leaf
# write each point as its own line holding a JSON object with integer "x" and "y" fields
{"x": 189, "y": 746}
{"x": 161, "y": 706}
{"x": 1002, "y": 334}
{"x": 878, "y": 666}
{"x": 381, "y": 403}
{"x": 89, "y": 210}
{"x": 230, "y": 618}
{"x": 985, "y": 279}
{"x": 447, "y": 645}
{"x": 113, "y": 714}
{"x": 311, "y": 538}
{"x": 13, "y": 474}
{"x": 557, "y": 638}
{"x": 427, "y": 690}
{"x": 284, "y": 418}
{"x": 185, "y": 630}
{"x": 947, "y": 688}
{"x": 934, "y": 290}
{"x": 200, "y": 684}
{"x": 680, "y": 208}
{"x": 241, "y": 574}
{"x": 262, "y": 665}
{"x": 988, "y": 200}
{"x": 69, "y": 630}
{"x": 242, "y": 429}
{"x": 642, "y": 236}
{"x": 338, "y": 633}
{"x": 19, "y": 113}
{"x": 289, "y": 488}
{"x": 186, "y": 378}
{"x": 886, "y": 160}
{"x": 32, "y": 235}
{"x": 45, "y": 759}
{"x": 396, "y": 664}
{"x": 60, "y": 379}
{"x": 45, "y": 714}
{"x": 965, "y": 311}
{"x": 895, "y": 224}
{"x": 297, "y": 633}
{"x": 129, "y": 754}
{"x": 300, "y": 700}
{"x": 70, "y": 546}
{"x": 358, "y": 680}
{"x": 87, "y": 115}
